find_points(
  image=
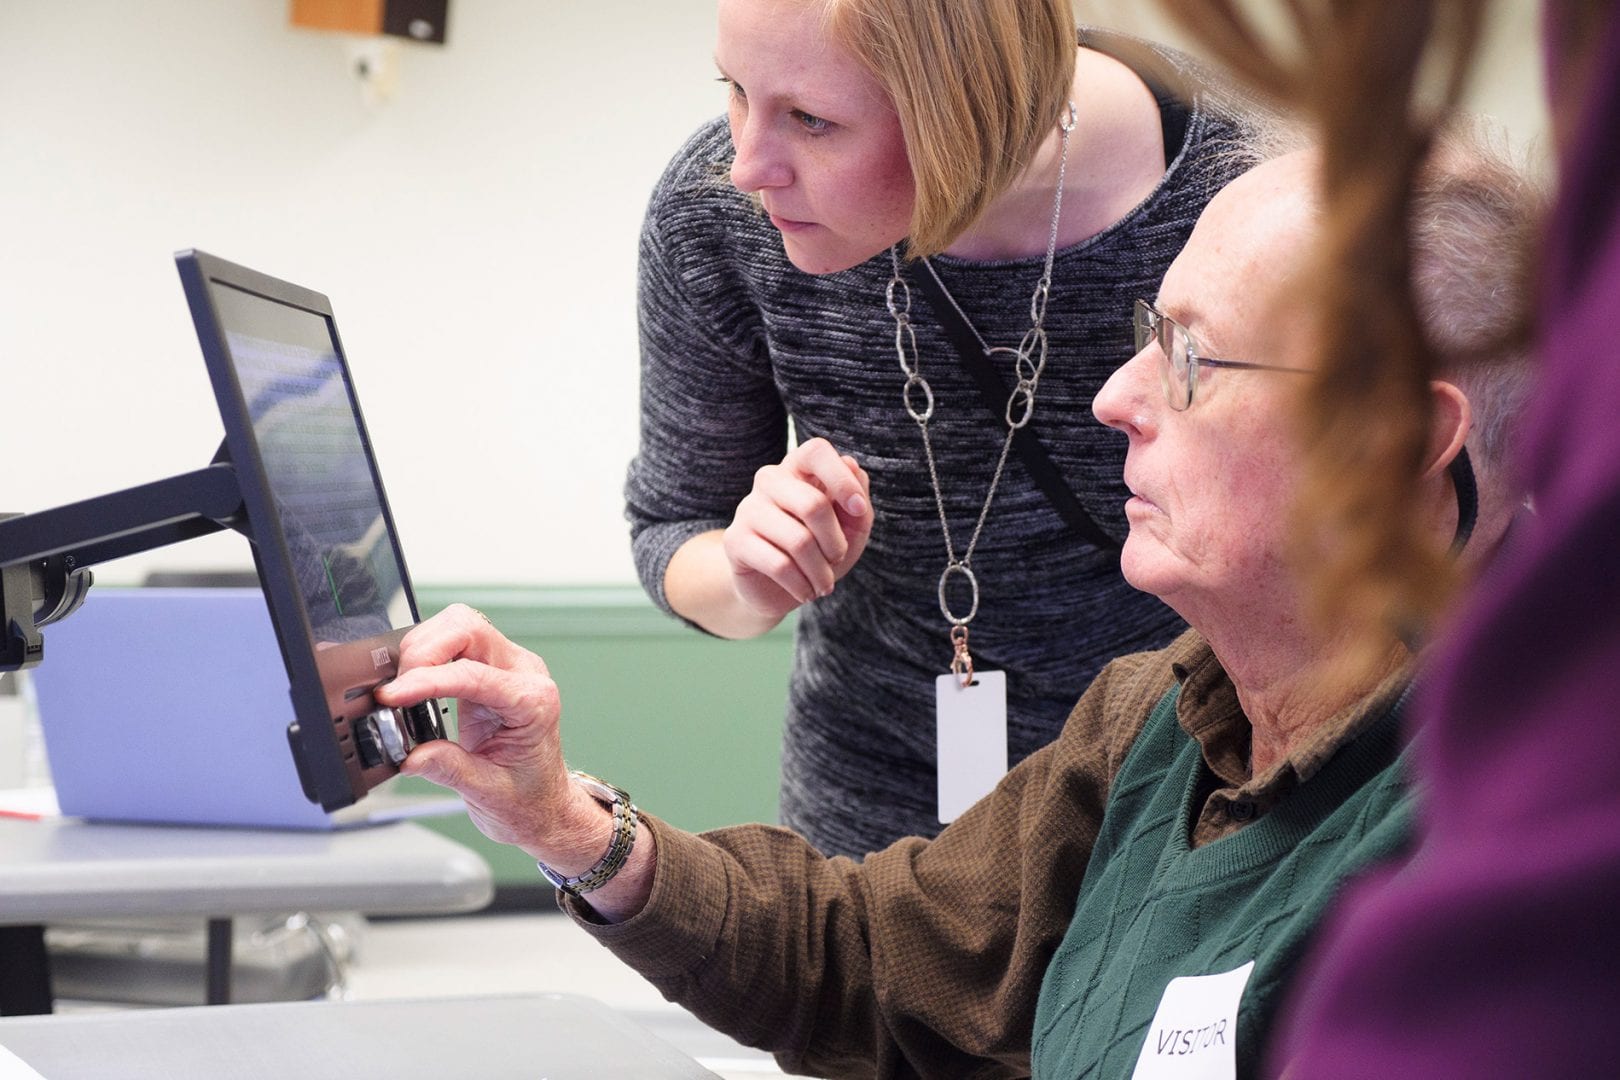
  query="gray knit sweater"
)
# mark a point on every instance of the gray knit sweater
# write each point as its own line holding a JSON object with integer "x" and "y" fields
{"x": 736, "y": 342}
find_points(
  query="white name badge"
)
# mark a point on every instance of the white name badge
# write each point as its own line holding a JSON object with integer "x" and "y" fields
{"x": 1194, "y": 1034}
{"x": 972, "y": 739}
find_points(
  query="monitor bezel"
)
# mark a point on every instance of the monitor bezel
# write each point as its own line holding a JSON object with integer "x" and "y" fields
{"x": 324, "y": 745}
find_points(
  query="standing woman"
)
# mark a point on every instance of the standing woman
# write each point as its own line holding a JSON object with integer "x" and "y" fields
{"x": 917, "y": 188}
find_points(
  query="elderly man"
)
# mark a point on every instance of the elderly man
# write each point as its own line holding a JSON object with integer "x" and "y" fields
{"x": 1139, "y": 891}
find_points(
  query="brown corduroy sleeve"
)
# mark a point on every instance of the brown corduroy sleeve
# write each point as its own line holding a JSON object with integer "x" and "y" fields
{"x": 926, "y": 959}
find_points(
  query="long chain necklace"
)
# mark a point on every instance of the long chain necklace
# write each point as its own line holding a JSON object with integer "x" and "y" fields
{"x": 1029, "y": 360}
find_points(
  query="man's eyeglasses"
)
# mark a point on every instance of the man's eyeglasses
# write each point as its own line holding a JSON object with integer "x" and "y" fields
{"x": 1179, "y": 355}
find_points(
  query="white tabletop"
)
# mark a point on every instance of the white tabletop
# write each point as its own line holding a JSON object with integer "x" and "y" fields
{"x": 55, "y": 869}
{"x": 555, "y": 1036}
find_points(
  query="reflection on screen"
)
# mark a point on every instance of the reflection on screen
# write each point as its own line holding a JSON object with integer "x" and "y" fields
{"x": 317, "y": 468}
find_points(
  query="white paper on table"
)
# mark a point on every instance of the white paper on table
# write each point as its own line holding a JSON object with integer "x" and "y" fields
{"x": 29, "y": 802}
{"x": 13, "y": 1067}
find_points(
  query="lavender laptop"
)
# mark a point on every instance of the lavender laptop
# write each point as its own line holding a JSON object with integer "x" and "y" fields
{"x": 171, "y": 705}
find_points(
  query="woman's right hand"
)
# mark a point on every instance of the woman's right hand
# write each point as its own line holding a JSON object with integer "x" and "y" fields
{"x": 799, "y": 531}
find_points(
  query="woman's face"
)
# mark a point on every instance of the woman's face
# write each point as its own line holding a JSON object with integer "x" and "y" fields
{"x": 817, "y": 139}
{"x": 1212, "y": 487}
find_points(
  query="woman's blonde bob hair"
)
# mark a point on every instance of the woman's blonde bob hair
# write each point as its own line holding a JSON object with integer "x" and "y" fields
{"x": 977, "y": 84}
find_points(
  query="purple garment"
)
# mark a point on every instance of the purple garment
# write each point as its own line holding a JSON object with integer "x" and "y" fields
{"x": 1496, "y": 950}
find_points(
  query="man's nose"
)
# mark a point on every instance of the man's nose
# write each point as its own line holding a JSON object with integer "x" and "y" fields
{"x": 1126, "y": 399}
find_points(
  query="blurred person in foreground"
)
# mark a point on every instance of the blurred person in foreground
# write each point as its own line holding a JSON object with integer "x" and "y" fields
{"x": 1141, "y": 889}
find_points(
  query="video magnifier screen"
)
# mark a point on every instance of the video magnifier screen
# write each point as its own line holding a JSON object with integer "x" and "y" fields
{"x": 317, "y": 469}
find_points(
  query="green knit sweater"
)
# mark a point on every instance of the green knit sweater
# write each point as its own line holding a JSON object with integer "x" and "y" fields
{"x": 1151, "y": 908}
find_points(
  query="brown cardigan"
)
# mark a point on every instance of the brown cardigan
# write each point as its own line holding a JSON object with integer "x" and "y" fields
{"x": 927, "y": 958}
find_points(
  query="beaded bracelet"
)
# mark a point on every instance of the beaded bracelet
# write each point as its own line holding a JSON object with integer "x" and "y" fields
{"x": 625, "y": 819}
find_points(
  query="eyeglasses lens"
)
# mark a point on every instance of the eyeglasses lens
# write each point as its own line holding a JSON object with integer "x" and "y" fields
{"x": 1178, "y": 372}
{"x": 1175, "y": 371}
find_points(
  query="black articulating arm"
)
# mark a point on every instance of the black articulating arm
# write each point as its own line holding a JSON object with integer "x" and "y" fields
{"x": 45, "y": 557}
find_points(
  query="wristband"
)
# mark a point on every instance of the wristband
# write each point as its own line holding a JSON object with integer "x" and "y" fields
{"x": 625, "y": 819}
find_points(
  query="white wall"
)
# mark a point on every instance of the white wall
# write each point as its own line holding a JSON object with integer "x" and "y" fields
{"x": 476, "y": 234}
{"x": 1505, "y": 81}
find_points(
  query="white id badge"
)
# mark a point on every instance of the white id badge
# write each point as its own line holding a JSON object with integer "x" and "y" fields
{"x": 1194, "y": 1034}
{"x": 972, "y": 739}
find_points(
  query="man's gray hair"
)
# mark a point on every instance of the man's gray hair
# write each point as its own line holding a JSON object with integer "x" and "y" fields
{"x": 1475, "y": 219}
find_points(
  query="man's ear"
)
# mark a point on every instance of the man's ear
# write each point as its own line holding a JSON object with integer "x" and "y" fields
{"x": 1448, "y": 430}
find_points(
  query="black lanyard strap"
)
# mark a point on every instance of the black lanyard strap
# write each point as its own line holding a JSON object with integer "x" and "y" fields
{"x": 994, "y": 395}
